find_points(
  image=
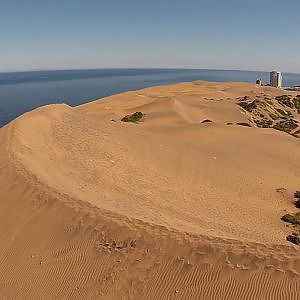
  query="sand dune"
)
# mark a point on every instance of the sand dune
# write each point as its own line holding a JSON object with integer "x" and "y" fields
{"x": 169, "y": 208}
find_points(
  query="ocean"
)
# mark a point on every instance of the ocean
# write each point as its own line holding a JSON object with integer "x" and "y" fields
{"x": 23, "y": 91}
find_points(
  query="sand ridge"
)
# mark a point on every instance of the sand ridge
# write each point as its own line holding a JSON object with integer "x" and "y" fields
{"x": 170, "y": 207}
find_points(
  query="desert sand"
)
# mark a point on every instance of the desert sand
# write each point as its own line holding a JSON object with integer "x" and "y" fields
{"x": 167, "y": 208}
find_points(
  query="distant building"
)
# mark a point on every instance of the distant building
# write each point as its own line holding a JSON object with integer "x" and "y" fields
{"x": 276, "y": 79}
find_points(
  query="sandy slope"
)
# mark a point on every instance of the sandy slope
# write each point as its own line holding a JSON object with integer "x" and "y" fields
{"x": 170, "y": 208}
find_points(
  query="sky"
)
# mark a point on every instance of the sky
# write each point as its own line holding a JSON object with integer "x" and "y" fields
{"x": 209, "y": 34}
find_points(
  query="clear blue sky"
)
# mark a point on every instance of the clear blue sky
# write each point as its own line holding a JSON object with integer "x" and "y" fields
{"x": 222, "y": 34}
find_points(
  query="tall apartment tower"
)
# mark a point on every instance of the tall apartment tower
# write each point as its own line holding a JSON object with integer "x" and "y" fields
{"x": 276, "y": 79}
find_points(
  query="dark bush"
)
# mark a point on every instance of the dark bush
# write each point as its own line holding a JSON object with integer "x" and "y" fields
{"x": 296, "y": 101}
{"x": 134, "y": 118}
{"x": 264, "y": 123}
{"x": 273, "y": 116}
{"x": 284, "y": 113}
{"x": 248, "y": 106}
{"x": 297, "y": 197}
{"x": 285, "y": 100}
{"x": 292, "y": 219}
{"x": 286, "y": 125}
{"x": 244, "y": 124}
{"x": 295, "y": 239}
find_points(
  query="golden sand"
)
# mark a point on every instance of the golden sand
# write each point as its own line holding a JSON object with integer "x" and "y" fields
{"x": 169, "y": 208}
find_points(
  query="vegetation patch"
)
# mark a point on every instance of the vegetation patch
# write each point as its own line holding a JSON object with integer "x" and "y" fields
{"x": 284, "y": 114}
{"x": 285, "y": 100}
{"x": 264, "y": 123}
{"x": 133, "y": 118}
{"x": 245, "y": 98}
{"x": 292, "y": 218}
{"x": 293, "y": 238}
{"x": 244, "y": 124}
{"x": 289, "y": 102}
{"x": 277, "y": 113}
{"x": 296, "y": 101}
{"x": 297, "y": 197}
{"x": 286, "y": 125}
{"x": 274, "y": 116}
{"x": 248, "y": 106}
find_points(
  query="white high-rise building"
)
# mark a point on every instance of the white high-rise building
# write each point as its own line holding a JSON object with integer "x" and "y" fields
{"x": 276, "y": 79}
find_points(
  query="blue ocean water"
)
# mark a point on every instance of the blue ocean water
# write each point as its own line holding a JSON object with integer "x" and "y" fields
{"x": 23, "y": 91}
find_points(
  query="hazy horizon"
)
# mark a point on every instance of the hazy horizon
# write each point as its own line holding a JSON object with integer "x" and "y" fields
{"x": 142, "y": 68}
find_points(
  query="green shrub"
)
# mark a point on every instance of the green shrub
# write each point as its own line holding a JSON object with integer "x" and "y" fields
{"x": 134, "y": 118}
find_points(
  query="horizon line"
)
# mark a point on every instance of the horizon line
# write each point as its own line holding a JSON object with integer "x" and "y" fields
{"x": 139, "y": 68}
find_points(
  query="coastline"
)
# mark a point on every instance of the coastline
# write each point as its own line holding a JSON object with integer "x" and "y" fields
{"x": 22, "y": 92}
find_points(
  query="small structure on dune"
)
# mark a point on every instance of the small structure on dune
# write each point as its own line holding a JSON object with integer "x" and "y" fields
{"x": 259, "y": 82}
